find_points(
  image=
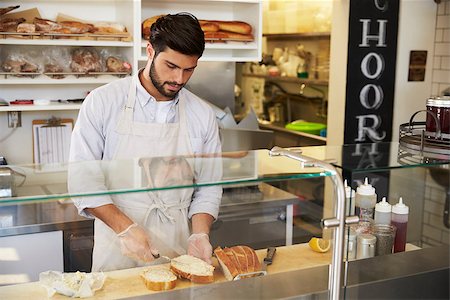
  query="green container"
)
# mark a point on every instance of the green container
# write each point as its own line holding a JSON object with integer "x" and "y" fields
{"x": 307, "y": 127}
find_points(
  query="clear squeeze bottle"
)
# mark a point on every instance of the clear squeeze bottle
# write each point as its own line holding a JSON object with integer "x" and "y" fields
{"x": 365, "y": 200}
{"x": 383, "y": 212}
{"x": 349, "y": 200}
{"x": 400, "y": 220}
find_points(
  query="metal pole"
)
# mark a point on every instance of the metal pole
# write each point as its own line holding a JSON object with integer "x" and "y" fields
{"x": 335, "y": 276}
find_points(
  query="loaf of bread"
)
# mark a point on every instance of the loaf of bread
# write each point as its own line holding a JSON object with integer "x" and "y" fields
{"x": 146, "y": 24}
{"x": 109, "y": 28}
{"x": 192, "y": 268}
{"x": 159, "y": 279}
{"x": 230, "y": 26}
{"x": 209, "y": 26}
{"x": 237, "y": 260}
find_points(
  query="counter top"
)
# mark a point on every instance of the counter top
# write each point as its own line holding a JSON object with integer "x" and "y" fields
{"x": 127, "y": 283}
{"x": 298, "y": 133}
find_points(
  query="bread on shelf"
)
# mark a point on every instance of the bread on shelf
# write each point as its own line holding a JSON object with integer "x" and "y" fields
{"x": 159, "y": 279}
{"x": 192, "y": 268}
{"x": 237, "y": 260}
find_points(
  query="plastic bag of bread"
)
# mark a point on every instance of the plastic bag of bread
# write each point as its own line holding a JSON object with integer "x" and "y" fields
{"x": 21, "y": 61}
{"x": 115, "y": 62}
{"x": 55, "y": 61}
{"x": 85, "y": 60}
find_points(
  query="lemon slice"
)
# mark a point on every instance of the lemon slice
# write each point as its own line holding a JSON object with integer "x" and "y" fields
{"x": 319, "y": 245}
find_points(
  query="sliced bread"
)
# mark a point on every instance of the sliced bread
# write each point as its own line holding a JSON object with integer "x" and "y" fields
{"x": 192, "y": 268}
{"x": 159, "y": 279}
{"x": 237, "y": 260}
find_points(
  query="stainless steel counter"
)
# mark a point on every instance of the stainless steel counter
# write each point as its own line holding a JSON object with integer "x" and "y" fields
{"x": 40, "y": 217}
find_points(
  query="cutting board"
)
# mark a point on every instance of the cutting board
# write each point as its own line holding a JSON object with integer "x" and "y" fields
{"x": 128, "y": 283}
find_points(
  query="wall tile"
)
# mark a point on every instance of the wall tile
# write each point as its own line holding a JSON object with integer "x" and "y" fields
{"x": 443, "y": 22}
{"x": 445, "y": 62}
{"x": 439, "y": 37}
{"x": 438, "y": 223}
{"x": 438, "y": 195}
{"x": 434, "y": 92}
{"x": 442, "y": 49}
{"x": 434, "y": 207}
{"x": 441, "y": 9}
{"x": 447, "y": 8}
{"x": 443, "y": 87}
{"x": 446, "y": 35}
{"x": 437, "y": 62}
{"x": 441, "y": 76}
{"x": 445, "y": 238}
{"x": 431, "y": 232}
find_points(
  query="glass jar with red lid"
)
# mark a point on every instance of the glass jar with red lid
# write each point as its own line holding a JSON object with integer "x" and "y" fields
{"x": 440, "y": 107}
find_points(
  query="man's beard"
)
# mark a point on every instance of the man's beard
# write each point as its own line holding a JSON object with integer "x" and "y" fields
{"x": 160, "y": 85}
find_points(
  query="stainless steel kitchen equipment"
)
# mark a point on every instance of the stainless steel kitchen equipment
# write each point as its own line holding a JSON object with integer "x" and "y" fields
{"x": 6, "y": 182}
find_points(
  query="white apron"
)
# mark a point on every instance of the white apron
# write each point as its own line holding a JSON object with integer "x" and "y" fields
{"x": 163, "y": 213}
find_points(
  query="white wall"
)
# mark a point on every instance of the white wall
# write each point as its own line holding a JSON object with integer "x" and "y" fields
{"x": 338, "y": 72}
{"x": 417, "y": 19}
{"x": 416, "y": 32}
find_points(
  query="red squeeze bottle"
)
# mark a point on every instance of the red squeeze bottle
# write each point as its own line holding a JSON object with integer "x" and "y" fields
{"x": 400, "y": 220}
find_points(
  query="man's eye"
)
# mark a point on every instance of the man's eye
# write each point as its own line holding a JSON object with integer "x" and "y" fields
{"x": 171, "y": 67}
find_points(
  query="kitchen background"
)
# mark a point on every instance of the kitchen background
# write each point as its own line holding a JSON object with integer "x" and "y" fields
{"x": 289, "y": 84}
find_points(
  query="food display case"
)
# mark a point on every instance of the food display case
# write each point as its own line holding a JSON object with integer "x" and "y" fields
{"x": 278, "y": 198}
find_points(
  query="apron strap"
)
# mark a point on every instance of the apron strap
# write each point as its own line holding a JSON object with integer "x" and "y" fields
{"x": 162, "y": 211}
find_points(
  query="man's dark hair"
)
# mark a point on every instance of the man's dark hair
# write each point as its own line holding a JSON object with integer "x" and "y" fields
{"x": 180, "y": 32}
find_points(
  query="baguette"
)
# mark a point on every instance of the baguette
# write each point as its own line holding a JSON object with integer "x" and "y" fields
{"x": 209, "y": 26}
{"x": 192, "y": 268}
{"x": 231, "y": 26}
{"x": 159, "y": 279}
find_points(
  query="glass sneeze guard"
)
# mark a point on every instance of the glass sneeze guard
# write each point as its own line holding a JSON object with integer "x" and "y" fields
{"x": 44, "y": 182}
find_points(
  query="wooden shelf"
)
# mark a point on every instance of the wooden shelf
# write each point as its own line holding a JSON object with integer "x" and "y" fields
{"x": 32, "y": 107}
{"x": 65, "y": 42}
{"x": 287, "y": 79}
{"x": 295, "y": 36}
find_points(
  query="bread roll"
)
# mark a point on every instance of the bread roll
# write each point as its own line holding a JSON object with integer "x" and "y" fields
{"x": 159, "y": 279}
{"x": 237, "y": 260}
{"x": 192, "y": 268}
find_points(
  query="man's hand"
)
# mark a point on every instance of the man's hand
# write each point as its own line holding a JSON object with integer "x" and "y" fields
{"x": 199, "y": 246}
{"x": 136, "y": 244}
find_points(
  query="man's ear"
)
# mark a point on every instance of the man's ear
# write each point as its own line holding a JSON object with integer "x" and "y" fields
{"x": 150, "y": 51}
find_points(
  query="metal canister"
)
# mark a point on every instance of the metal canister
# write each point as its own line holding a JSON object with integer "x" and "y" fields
{"x": 440, "y": 107}
{"x": 366, "y": 246}
{"x": 350, "y": 244}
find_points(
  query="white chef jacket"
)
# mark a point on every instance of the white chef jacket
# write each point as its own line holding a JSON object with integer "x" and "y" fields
{"x": 94, "y": 136}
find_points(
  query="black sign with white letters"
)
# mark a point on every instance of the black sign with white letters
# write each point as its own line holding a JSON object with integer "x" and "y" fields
{"x": 372, "y": 49}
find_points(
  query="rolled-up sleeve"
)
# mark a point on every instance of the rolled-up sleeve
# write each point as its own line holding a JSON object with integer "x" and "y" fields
{"x": 208, "y": 169}
{"x": 86, "y": 151}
